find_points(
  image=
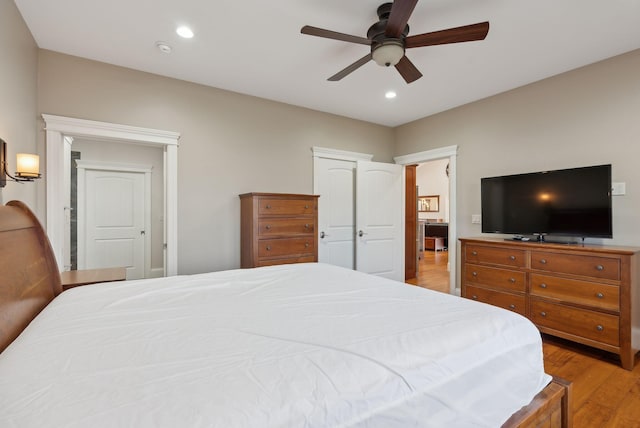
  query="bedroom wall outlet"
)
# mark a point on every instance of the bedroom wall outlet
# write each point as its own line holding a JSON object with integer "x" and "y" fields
{"x": 475, "y": 218}
{"x": 619, "y": 189}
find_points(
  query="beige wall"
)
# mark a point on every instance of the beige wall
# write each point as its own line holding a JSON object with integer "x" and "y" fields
{"x": 588, "y": 116}
{"x": 230, "y": 143}
{"x": 18, "y": 101}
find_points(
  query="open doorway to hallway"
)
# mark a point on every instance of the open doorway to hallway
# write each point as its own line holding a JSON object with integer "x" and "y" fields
{"x": 432, "y": 184}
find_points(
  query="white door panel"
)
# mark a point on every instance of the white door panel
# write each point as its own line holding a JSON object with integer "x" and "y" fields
{"x": 335, "y": 182}
{"x": 379, "y": 219}
{"x": 112, "y": 217}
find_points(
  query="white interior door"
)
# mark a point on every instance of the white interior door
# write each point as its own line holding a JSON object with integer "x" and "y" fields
{"x": 334, "y": 181}
{"x": 112, "y": 220}
{"x": 380, "y": 219}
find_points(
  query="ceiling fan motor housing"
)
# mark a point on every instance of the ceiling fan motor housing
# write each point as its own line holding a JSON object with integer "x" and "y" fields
{"x": 386, "y": 51}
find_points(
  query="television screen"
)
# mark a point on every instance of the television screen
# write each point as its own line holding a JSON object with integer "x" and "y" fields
{"x": 572, "y": 202}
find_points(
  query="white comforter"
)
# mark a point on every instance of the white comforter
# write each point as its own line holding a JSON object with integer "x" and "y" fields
{"x": 305, "y": 345}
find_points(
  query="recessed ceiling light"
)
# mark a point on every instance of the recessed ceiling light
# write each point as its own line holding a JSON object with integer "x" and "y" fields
{"x": 163, "y": 47}
{"x": 184, "y": 31}
{"x": 390, "y": 95}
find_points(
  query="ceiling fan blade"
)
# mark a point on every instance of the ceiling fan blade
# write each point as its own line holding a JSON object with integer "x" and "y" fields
{"x": 328, "y": 34}
{"x": 399, "y": 16}
{"x": 407, "y": 70}
{"x": 351, "y": 68}
{"x": 466, "y": 33}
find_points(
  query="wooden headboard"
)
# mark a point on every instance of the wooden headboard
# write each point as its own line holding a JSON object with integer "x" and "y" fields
{"x": 29, "y": 277}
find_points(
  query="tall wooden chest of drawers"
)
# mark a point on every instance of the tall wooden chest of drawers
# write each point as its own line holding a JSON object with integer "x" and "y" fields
{"x": 587, "y": 294}
{"x": 278, "y": 228}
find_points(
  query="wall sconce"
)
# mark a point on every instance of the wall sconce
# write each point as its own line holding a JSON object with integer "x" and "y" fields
{"x": 27, "y": 166}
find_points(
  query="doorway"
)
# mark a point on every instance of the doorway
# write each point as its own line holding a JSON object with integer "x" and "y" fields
{"x": 60, "y": 132}
{"x": 450, "y": 154}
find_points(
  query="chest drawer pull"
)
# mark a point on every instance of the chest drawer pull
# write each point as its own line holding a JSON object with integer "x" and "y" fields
{"x": 543, "y": 285}
{"x": 512, "y": 306}
{"x": 306, "y": 207}
{"x": 268, "y": 207}
{"x": 306, "y": 226}
{"x": 599, "y": 327}
{"x": 474, "y": 273}
{"x": 474, "y": 297}
{"x": 599, "y": 268}
{"x": 600, "y": 296}
{"x": 512, "y": 257}
{"x": 268, "y": 247}
{"x": 268, "y": 227}
{"x": 474, "y": 253}
{"x": 544, "y": 314}
{"x": 512, "y": 280}
{"x": 543, "y": 261}
{"x": 306, "y": 245}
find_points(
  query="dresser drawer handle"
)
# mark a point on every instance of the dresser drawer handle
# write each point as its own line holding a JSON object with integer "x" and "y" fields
{"x": 474, "y": 297}
{"x": 600, "y": 296}
{"x": 474, "y": 273}
{"x": 512, "y": 306}
{"x": 543, "y": 261}
{"x": 544, "y": 314}
{"x": 268, "y": 227}
{"x": 543, "y": 285}
{"x": 512, "y": 258}
{"x": 512, "y": 280}
{"x": 474, "y": 253}
{"x": 599, "y": 268}
{"x": 306, "y": 245}
{"x": 599, "y": 327}
{"x": 268, "y": 206}
{"x": 306, "y": 207}
{"x": 306, "y": 226}
{"x": 268, "y": 247}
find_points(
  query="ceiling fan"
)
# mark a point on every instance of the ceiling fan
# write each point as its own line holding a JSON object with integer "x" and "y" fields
{"x": 388, "y": 39}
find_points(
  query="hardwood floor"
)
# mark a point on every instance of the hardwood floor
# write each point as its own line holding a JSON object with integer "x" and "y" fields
{"x": 604, "y": 394}
{"x": 432, "y": 271}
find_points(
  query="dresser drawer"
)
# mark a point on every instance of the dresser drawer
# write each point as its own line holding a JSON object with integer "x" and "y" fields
{"x": 292, "y": 226}
{"x": 268, "y": 248}
{"x": 512, "y": 302}
{"x": 495, "y": 278}
{"x": 592, "y": 325}
{"x": 272, "y": 206}
{"x": 495, "y": 256}
{"x": 271, "y": 262}
{"x": 589, "y": 266}
{"x": 600, "y": 296}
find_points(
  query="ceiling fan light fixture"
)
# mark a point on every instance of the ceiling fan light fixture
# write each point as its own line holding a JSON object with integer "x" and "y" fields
{"x": 388, "y": 53}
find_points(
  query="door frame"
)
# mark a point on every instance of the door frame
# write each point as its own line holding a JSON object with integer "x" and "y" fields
{"x": 450, "y": 152}
{"x": 83, "y": 166}
{"x": 60, "y": 131}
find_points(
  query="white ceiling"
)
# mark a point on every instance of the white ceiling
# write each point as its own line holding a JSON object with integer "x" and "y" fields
{"x": 255, "y": 47}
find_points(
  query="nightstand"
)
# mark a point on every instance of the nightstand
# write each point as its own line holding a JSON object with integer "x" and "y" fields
{"x": 76, "y": 278}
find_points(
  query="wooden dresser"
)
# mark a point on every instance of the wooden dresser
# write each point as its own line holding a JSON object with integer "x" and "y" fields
{"x": 278, "y": 228}
{"x": 587, "y": 294}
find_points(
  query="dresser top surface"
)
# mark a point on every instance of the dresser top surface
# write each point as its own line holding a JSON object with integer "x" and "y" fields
{"x": 535, "y": 245}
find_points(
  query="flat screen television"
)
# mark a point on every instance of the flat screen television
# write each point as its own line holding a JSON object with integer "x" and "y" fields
{"x": 568, "y": 202}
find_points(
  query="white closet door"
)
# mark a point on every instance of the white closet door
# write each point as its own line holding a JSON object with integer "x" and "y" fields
{"x": 335, "y": 183}
{"x": 380, "y": 219}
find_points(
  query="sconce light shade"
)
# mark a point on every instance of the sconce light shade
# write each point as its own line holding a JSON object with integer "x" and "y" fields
{"x": 27, "y": 165}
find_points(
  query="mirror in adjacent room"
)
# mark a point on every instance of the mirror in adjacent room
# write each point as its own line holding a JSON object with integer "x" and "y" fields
{"x": 429, "y": 203}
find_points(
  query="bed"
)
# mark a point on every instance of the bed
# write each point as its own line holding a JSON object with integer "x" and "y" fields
{"x": 304, "y": 345}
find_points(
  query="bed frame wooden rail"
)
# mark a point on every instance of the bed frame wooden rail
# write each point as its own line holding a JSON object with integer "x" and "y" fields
{"x": 29, "y": 280}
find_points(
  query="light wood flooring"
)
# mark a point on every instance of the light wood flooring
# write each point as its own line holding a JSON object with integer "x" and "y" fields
{"x": 604, "y": 394}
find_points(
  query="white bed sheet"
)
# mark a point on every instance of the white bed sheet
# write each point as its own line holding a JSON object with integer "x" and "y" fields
{"x": 306, "y": 345}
